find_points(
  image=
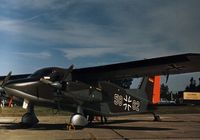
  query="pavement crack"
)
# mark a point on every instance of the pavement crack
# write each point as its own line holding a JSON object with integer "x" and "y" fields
{"x": 121, "y": 136}
{"x": 92, "y": 136}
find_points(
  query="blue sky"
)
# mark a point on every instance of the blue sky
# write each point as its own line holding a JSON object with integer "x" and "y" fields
{"x": 40, "y": 33}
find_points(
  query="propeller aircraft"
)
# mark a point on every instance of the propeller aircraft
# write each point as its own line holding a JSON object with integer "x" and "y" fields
{"x": 91, "y": 91}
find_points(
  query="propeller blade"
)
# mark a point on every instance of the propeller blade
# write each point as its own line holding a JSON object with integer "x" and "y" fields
{"x": 6, "y": 79}
{"x": 52, "y": 75}
{"x": 1, "y": 90}
{"x": 57, "y": 84}
{"x": 68, "y": 71}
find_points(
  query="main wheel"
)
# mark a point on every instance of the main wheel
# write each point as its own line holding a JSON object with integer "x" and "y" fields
{"x": 29, "y": 119}
{"x": 78, "y": 120}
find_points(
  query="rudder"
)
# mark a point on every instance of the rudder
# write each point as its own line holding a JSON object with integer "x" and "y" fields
{"x": 151, "y": 87}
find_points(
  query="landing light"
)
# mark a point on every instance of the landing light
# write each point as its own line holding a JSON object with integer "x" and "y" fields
{"x": 47, "y": 77}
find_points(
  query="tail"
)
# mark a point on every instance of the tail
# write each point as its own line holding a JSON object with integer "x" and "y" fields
{"x": 151, "y": 88}
{"x": 119, "y": 100}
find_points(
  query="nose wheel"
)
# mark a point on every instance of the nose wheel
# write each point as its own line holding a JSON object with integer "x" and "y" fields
{"x": 29, "y": 119}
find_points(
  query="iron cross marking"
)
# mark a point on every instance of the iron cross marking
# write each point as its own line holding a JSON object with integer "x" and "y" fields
{"x": 127, "y": 103}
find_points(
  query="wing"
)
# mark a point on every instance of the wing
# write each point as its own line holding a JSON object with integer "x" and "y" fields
{"x": 175, "y": 64}
{"x": 14, "y": 77}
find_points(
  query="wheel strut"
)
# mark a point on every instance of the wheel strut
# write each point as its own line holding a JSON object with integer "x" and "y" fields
{"x": 29, "y": 119}
{"x": 156, "y": 117}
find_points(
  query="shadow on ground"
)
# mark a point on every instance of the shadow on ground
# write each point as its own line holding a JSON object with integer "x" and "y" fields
{"x": 125, "y": 127}
{"x": 132, "y": 128}
{"x": 112, "y": 124}
{"x": 40, "y": 126}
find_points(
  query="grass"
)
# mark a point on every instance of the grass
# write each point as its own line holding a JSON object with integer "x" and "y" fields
{"x": 40, "y": 111}
{"x": 189, "y": 109}
{"x": 43, "y": 111}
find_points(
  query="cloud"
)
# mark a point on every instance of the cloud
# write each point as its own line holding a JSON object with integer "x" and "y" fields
{"x": 40, "y": 55}
{"x": 178, "y": 22}
{"x": 133, "y": 29}
{"x": 72, "y": 53}
{"x": 99, "y": 30}
{"x": 34, "y": 4}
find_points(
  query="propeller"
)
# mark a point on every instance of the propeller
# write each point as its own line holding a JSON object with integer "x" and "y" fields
{"x": 58, "y": 84}
{"x": 65, "y": 81}
{"x": 67, "y": 73}
{"x": 5, "y": 81}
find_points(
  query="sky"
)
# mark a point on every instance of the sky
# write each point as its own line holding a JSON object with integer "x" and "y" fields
{"x": 42, "y": 33}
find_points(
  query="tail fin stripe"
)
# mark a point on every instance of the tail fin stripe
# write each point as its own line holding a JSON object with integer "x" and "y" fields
{"x": 156, "y": 90}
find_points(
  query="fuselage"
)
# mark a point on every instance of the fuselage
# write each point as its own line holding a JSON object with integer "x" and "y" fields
{"x": 72, "y": 94}
{"x": 32, "y": 89}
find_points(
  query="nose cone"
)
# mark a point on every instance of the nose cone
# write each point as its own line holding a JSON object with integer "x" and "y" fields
{"x": 21, "y": 88}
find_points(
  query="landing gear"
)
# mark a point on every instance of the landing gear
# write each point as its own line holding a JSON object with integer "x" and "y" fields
{"x": 70, "y": 127}
{"x": 104, "y": 120}
{"x": 29, "y": 119}
{"x": 90, "y": 118}
{"x": 101, "y": 119}
{"x": 156, "y": 117}
{"x": 77, "y": 120}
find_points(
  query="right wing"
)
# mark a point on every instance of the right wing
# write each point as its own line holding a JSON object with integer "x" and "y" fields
{"x": 175, "y": 64}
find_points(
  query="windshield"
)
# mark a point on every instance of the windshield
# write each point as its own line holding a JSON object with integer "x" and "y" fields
{"x": 42, "y": 73}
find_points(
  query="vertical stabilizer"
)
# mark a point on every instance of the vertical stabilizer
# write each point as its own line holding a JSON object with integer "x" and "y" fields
{"x": 151, "y": 87}
{"x": 156, "y": 90}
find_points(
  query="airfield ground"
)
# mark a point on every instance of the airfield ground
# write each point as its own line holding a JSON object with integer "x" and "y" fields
{"x": 173, "y": 126}
{"x": 178, "y": 122}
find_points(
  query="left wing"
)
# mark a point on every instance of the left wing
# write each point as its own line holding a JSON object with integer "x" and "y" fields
{"x": 175, "y": 64}
{"x": 14, "y": 77}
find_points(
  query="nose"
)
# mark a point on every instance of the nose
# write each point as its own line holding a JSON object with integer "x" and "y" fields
{"x": 21, "y": 88}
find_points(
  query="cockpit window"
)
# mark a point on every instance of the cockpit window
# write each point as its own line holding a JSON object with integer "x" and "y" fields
{"x": 42, "y": 73}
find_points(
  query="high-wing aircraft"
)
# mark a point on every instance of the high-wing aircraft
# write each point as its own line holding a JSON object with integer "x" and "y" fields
{"x": 92, "y": 91}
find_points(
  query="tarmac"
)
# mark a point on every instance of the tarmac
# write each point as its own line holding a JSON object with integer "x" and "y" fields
{"x": 172, "y": 126}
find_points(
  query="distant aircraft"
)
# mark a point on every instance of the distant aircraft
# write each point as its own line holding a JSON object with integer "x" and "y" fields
{"x": 89, "y": 92}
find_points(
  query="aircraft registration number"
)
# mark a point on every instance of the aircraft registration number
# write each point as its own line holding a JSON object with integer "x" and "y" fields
{"x": 126, "y": 102}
